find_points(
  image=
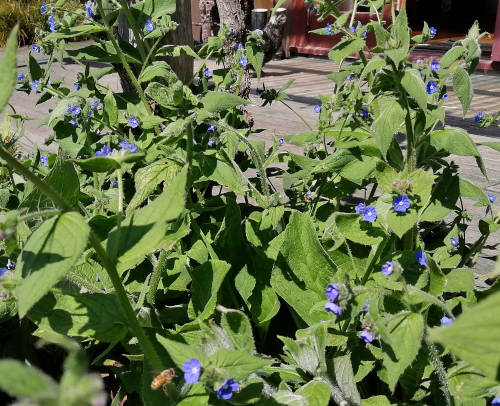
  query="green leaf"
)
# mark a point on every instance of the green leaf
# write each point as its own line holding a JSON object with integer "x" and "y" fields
{"x": 207, "y": 280}
{"x": 85, "y": 315}
{"x": 455, "y": 141}
{"x": 286, "y": 397}
{"x": 352, "y": 227}
{"x": 415, "y": 86}
{"x": 373, "y": 64}
{"x": 345, "y": 378}
{"x": 238, "y": 328}
{"x": 76, "y": 31}
{"x": 400, "y": 223}
{"x": 468, "y": 189}
{"x": 397, "y": 55}
{"x": 317, "y": 393}
{"x": 379, "y": 400}
{"x": 143, "y": 231}
{"x": 238, "y": 364}
{"x": 110, "y": 108}
{"x": 225, "y": 173}
{"x": 48, "y": 256}
{"x": 493, "y": 145}
{"x": 19, "y": 380}
{"x": 156, "y": 69}
{"x": 36, "y": 72}
{"x": 303, "y": 268}
{"x": 459, "y": 280}
{"x": 387, "y": 124}
{"x": 463, "y": 87}
{"x": 406, "y": 332}
{"x": 473, "y": 336}
{"x": 98, "y": 164}
{"x": 345, "y": 48}
{"x": 255, "y": 56}
{"x": 8, "y": 66}
{"x": 220, "y": 101}
{"x": 155, "y": 8}
{"x": 453, "y": 54}
{"x": 105, "y": 52}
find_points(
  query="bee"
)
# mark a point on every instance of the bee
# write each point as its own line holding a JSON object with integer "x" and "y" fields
{"x": 164, "y": 378}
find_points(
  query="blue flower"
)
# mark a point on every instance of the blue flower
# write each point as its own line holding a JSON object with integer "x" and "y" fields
{"x": 492, "y": 198}
{"x": 192, "y": 370}
{"x": 434, "y": 66}
{"x": 206, "y": 72}
{"x": 431, "y": 87}
{"x": 445, "y": 97}
{"x": 317, "y": 108}
{"x": 454, "y": 241}
{"x": 88, "y": 9}
{"x": 35, "y": 48}
{"x": 44, "y": 159}
{"x": 20, "y": 76}
{"x": 130, "y": 147}
{"x": 73, "y": 122}
{"x": 401, "y": 204}
{"x": 52, "y": 23}
{"x": 308, "y": 195}
{"x": 34, "y": 85}
{"x": 332, "y": 292}
{"x": 10, "y": 264}
{"x": 433, "y": 31}
{"x": 43, "y": 9}
{"x": 243, "y": 61}
{"x": 3, "y": 271}
{"x": 114, "y": 183}
{"x": 370, "y": 214}
{"x": 76, "y": 86}
{"x": 149, "y": 26}
{"x": 366, "y": 336}
{"x": 76, "y": 110}
{"x": 281, "y": 141}
{"x": 329, "y": 30}
{"x": 364, "y": 114}
{"x": 364, "y": 33}
{"x": 95, "y": 104}
{"x": 360, "y": 208}
{"x": 212, "y": 128}
{"x": 446, "y": 321}
{"x": 133, "y": 122}
{"x": 495, "y": 401}
{"x": 238, "y": 46}
{"x": 365, "y": 306}
{"x": 210, "y": 143}
{"x": 478, "y": 117}
{"x": 349, "y": 78}
{"x": 420, "y": 256}
{"x": 226, "y": 390}
{"x": 333, "y": 308}
{"x": 353, "y": 29}
{"x": 104, "y": 151}
{"x": 258, "y": 32}
{"x": 387, "y": 268}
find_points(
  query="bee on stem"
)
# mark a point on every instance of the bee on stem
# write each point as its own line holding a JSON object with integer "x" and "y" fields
{"x": 164, "y": 378}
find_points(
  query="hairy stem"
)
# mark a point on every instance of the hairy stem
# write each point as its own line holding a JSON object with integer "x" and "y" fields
{"x": 440, "y": 371}
{"x": 155, "y": 279}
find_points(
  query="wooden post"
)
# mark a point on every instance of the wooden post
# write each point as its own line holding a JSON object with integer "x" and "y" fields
{"x": 259, "y": 18}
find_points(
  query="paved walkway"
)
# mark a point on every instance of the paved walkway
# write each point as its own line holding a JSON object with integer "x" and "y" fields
{"x": 310, "y": 80}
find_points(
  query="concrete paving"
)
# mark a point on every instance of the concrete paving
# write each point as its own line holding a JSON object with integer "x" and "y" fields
{"x": 277, "y": 120}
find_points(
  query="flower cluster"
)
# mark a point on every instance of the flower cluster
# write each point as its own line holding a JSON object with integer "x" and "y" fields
{"x": 332, "y": 292}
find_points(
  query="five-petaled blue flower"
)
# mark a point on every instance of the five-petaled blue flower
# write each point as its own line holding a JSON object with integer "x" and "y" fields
{"x": 192, "y": 370}
{"x": 434, "y": 66}
{"x": 366, "y": 336}
{"x": 227, "y": 388}
{"x": 446, "y": 321}
{"x": 212, "y": 128}
{"x": 492, "y": 198}
{"x": 210, "y": 142}
{"x": 133, "y": 122}
{"x": 445, "y": 97}
{"x": 149, "y": 26}
{"x": 332, "y": 292}
{"x": 73, "y": 122}
{"x": 20, "y": 76}
{"x": 35, "y": 48}
{"x": 454, "y": 241}
{"x": 206, "y": 72}
{"x": 420, "y": 256}
{"x": 401, "y": 204}
{"x": 52, "y": 23}
{"x": 495, "y": 401}
{"x": 130, "y": 147}
{"x": 281, "y": 141}
{"x": 76, "y": 110}
{"x": 364, "y": 114}
{"x": 329, "y": 29}
{"x": 44, "y": 159}
{"x": 433, "y": 31}
{"x": 88, "y": 9}
{"x": 34, "y": 85}
{"x": 76, "y": 85}
{"x": 431, "y": 87}
{"x": 365, "y": 306}
{"x": 243, "y": 61}
{"x": 317, "y": 108}
{"x": 43, "y": 9}
{"x": 360, "y": 208}
{"x": 353, "y": 29}
{"x": 333, "y": 308}
{"x": 104, "y": 151}
{"x": 370, "y": 214}
{"x": 387, "y": 268}
{"x": 478, "y": 117}
{"x": 94, "y": 104}
{"x": 3, "y": 271}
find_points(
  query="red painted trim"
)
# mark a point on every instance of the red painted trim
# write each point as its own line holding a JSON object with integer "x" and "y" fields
{"x": 495, "y": 53}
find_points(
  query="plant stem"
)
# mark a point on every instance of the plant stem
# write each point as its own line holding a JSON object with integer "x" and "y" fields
{"x": 41, "y": 213}
{"x": 354, "y": 10}
{"x": 440, "y": 371}
{"x": 374, "y": 259}
{"x": 155, "y": 279}
{"x": 299, "y": 116}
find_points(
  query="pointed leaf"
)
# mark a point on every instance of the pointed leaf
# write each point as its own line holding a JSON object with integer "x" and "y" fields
{"x": 415, "y": 86}
{"x": 463, "y": 87}
{"x": 220, "y": 101}
{"x": 386, "y": 125}
{"x": 8, "y": 67}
